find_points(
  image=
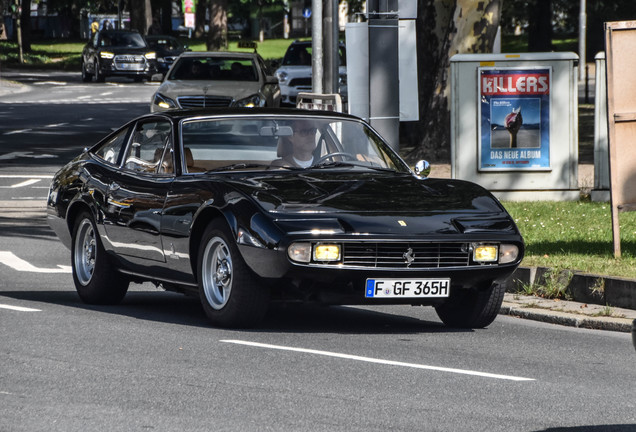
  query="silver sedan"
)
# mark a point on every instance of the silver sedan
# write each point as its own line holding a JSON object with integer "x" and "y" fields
{"x": 216, "y": 79}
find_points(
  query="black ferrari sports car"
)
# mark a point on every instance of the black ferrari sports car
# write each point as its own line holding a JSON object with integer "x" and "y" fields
{"x": 242, "y": 207}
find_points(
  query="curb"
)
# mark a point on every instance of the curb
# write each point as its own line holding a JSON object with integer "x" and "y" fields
{"x": 580, "y": 287}
{"x": 568, "y": 319}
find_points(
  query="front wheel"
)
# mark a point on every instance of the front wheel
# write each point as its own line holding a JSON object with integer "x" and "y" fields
{"x": 471, "y": 308}
{"x": 98, "y": 76}
{"x": 96, "y": 280}
{"x": 86, "y": 77}
{"x": 230, "y": 293}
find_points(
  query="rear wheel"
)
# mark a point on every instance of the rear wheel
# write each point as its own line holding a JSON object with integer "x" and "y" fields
{"x": 471, "y": 308}
{"x": 230, "y": 293}
{"x": 95, "y": 278}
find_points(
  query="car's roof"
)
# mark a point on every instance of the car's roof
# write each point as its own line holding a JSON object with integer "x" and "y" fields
{"x": 229, "y": 112}
{"x": 231, "y": 54}
{"x": 159, "y": 37}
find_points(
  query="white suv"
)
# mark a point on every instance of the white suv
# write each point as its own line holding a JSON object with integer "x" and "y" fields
{"x": 294, "y": 74}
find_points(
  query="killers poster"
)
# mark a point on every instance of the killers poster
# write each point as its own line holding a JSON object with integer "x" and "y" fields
{"x": 514, "y": 119}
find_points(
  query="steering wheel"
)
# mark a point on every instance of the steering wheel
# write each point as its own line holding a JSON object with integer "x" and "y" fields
{"x": 334, "y": 154}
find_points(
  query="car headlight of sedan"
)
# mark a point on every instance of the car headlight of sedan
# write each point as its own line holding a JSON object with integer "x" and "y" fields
{"x": 306, "y": 252}
{"x": 251, "y": 102}
{"x": 106, "y": 55}
{"x": 164, "y": 102}
{"x": 151, "y": 55}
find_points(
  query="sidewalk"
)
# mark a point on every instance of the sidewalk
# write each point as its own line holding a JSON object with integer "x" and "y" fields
{"x": 568, "y": 313}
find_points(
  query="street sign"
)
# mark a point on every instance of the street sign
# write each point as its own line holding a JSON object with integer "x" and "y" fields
{"x": 306, "y": 13}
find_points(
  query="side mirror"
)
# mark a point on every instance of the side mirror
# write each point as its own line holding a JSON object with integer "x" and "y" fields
{"x": 422, "y": 169}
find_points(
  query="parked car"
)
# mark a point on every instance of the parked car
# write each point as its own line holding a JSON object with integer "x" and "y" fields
{"x": 118, "y": 53}
{"x": 294, "y": 73}
{"x": 216, "y": 203}
{"x": 216, "y": 79}
{"x": 168, "y": 48}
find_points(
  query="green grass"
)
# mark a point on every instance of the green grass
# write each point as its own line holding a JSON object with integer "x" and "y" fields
{"x": 575, "y": 236}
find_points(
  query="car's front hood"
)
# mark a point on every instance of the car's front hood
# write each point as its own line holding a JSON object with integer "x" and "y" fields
{"x": 234, "y": 89}
{"x": 379, "y": 202}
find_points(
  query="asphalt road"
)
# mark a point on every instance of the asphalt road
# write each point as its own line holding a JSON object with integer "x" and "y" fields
{"x": 154, "y": 363}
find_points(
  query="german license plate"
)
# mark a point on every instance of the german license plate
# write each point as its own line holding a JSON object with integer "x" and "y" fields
{"x": 407, "y": 288}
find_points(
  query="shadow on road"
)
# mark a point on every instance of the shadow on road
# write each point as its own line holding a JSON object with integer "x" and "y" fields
{"x": 167, "y": 307}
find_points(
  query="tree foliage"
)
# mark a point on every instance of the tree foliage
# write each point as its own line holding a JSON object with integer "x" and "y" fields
{"x": 444, "y": 28}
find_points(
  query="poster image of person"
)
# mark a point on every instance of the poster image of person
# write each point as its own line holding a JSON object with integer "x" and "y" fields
{"x": 514, "y": 118}
{"x": 515, "y": 123}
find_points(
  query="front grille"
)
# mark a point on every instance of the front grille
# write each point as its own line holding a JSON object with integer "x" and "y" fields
{"x": 413, "y": 255}
{"x": 130, "y": 62}
{"x": 203, "y": 101}
{"x": 300, "y": 82}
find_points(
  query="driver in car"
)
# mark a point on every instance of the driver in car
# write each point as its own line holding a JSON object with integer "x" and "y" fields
{"x": 297, "y": 150}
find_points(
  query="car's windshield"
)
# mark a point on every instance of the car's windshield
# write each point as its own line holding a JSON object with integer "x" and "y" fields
{"x": 286, "y": 143}
{"x": 214, "y": 69}
{"x": 300, "y": 55}
{"x": 128, "y": 40}
{"x": 166, "y": 43}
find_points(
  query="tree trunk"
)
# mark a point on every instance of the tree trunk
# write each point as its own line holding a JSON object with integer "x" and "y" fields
{"x": 140, "y": 15}
{"x": 25, "y": 25}
{"x": 199, "y": 17}
{"x": 444, "y": 28}
{"x": 540, "y": 27}
{"x": 217, "y": 36}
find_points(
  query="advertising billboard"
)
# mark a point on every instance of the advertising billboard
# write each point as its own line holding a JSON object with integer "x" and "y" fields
{"x": 514, "y": 118}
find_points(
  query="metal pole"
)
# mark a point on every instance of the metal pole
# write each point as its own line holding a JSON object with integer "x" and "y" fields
{"x": 316, "y": 45}
{"x": 582, "y": 27}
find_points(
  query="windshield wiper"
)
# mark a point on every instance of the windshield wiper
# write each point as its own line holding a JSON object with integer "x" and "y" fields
{"x": 235, "y": 166}
{"x": 337, "y": 164}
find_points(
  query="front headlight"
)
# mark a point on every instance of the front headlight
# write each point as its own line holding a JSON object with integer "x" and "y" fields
{"x": 508, "y": 253}
{"x": 342, "y": 80}
{"x": 492, "y": 253}
{"x": 164, "y": 102}
{"x": 282, "y": 77}
{"x": 106, "y": 55}
{"x": 484, "y": 253}
{"x": 306, "y": 252}
{"x": 151, "y": 55}
{"x": 326, "y": 252}
{"x": 251, "y": 102}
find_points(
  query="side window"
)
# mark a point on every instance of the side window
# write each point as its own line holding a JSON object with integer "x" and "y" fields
{"x": 111, "y": 149}
{"x": 149, "y": 148}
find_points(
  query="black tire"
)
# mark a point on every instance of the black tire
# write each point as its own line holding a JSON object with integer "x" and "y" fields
{"x": 86, "y": 77}
{"x": 471, "y": 308}
{"x": 99, "y": 77}
{"x": 229, "y": 291}
{"x": 95, "y": 278}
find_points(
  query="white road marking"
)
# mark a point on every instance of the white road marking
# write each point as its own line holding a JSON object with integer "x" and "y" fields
{"x": 19, "y": 131}
{"x": 19, "y": 176}
{"x": 379, "y": 361}
{"x": 25, "y": 183}
{"x": 15, "y": 155}
{"x": 9, "y": 259}
{"x": 19, "y": 308}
